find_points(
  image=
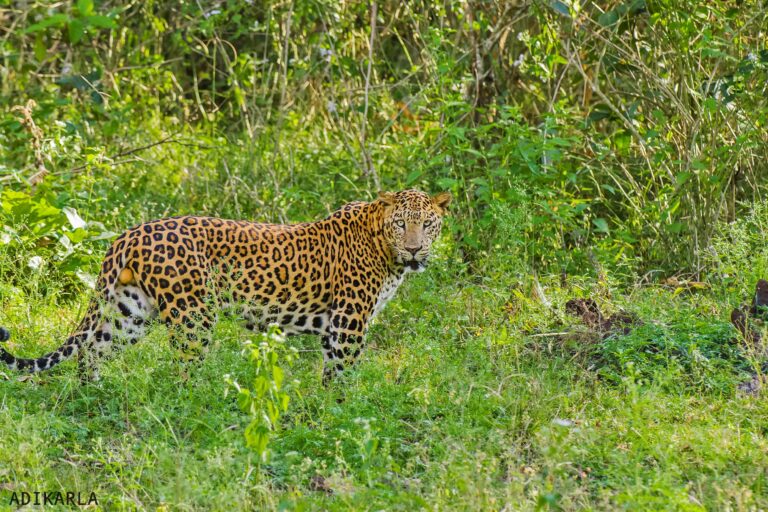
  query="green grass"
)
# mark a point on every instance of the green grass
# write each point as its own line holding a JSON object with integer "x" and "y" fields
{"x": 463, "y": 401}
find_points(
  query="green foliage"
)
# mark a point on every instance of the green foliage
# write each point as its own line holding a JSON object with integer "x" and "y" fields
{"x": 622, "y": 149}
{"x": 77, "y": 24}
{"x": 687, "y": 353}
{"x": 739, "y": 253}
{"x": 42, "y": 225}
{"x": 268, "y": 396}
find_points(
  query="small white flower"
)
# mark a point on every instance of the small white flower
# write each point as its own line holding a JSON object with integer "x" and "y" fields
{"x": 87, "y": 279}
{"x": 331, "y": 106}
{"x": 562, "y": 422}
{"x": 35, "y": 262}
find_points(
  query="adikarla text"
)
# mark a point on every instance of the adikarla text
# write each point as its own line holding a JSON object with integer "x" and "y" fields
{"x": 80, "y": 499}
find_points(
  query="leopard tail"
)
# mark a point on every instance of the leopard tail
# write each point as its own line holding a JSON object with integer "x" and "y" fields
{"x": 107, "y": 280}
{"x": 68, "y": 349}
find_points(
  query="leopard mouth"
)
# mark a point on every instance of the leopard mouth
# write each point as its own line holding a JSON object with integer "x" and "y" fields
{"x": 412, "y": 264}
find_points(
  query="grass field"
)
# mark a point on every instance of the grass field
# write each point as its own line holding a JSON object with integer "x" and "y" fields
{"x": 471, "y": 396}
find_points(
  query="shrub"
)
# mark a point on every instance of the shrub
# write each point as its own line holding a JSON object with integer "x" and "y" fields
{"x": 268, "y": 396}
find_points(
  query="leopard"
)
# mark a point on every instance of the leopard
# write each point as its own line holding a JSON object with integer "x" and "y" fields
{"x": 330, "y": 278}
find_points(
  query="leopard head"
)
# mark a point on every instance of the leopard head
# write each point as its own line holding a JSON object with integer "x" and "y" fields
{"x": 412, "y": 222}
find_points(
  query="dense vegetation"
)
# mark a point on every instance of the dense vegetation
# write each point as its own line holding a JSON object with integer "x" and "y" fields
{"x": 614, "y": 150}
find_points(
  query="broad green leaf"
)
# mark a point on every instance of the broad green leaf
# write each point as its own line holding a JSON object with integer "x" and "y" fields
{"x": 278, "y": 375}
{"x": 101, "y": 21}
{"x": 40, "y": 48}
{"x": 560, "y": 8}
{"x": 447, "y": 183}
{"x": 413, "y": 176}
{"x": 76, "y": 30}
{"x": 42, "y": 209}
{"x": 57, "y": 20}
{"x": 85, "y": 7}
{"x": 601, "y": 225}
{"x": 608, "y": 18}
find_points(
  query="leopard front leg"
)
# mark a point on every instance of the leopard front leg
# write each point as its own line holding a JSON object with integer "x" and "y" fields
{"x": 340, "y": 351}
{"x": 345, "y": 341}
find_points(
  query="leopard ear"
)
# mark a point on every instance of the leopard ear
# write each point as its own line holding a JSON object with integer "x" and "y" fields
{"x": 442, "y": 200}
{"x": 388, "y": 198}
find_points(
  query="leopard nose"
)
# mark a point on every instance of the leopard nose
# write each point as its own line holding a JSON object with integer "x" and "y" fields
{"x": 413, "y": 250}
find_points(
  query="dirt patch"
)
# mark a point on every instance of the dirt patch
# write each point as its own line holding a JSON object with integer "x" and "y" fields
{"x": 746, "y": 319}
{"x": 589, "y": 312}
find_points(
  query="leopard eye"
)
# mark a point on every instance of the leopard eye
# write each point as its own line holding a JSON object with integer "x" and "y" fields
{"x": 400, "y": 223}
{"x": 427, "y": 223}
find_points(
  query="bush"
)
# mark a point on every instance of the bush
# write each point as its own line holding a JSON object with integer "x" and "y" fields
{"x": 268, "y": 396}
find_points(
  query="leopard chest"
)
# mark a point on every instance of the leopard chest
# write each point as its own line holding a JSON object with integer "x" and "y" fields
{"x": 388, "y": 289}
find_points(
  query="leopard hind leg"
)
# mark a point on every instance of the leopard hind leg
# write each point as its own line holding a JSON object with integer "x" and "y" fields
{"x": 121, "y": 321}
{"x": 190, "y": 322}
